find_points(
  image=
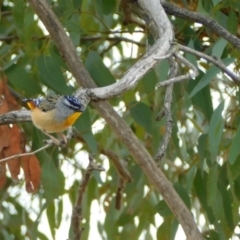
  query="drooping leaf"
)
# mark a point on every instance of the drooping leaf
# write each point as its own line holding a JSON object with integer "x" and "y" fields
{"x": 212, "y": 180}
{"x": 234, "y": 148}
{"x": 52, "y": 180}
{"x": 142, "y": 114}
{"x": 219, "y": 47}
{"x": 216, "y": 131}
{"x": 208, "y": 76}
{"x": 20, "y": 79}
{"x": 98, "y": 71}
{"x": 51, "y": 75}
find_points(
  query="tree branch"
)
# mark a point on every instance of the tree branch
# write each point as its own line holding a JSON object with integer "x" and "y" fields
{"x": 135, "y": 147}
{"x": 15, "y": 116}
{"x": 191, "y": 74}
{"x": 25, "y": 154}
{"x": 166, "y": 111}
{"x": 77, "y": 210}
{"x": 158, "y": 21}
{"x": 208, "y": 22}
{"x": 217, "y": 62}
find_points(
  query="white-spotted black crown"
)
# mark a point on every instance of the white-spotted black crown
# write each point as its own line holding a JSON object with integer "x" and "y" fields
{"x": 73, "y": 103}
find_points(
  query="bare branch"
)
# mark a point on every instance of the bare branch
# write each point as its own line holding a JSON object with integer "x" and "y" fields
{"x": 25, "y": 154}
{"x": 123, "y": 131}
{"x": 166, "y": 111}
{"x": 217, "y": 62}
{"x": 121, "y": 186}
{"x": 206, "y": 21}
{"x": 157, "y": 52}
{"x": 192, "y": 74}
{"x": 77, "y": 210}
{"x": 15, "y": 116}
{"x": 119, "y": 163}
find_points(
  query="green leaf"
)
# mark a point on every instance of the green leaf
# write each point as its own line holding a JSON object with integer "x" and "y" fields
{"x": 207, "y": 5}
{"x": 107, "y": 6}
{"x": 200, "y": 186}
{"x": 34, "y": 226}
{"x": 190, "y": 177}
{"x": 84, "y": 126}
{"x": 212, "y": 180}
{"x": 200, "y": 181}
{"x": 232, "y": 22}
{"x": 19, "y": 78}
{"x": 174, "y": 228}
{"x": 164, "y": 231}
{"x": 59, "y": 212}
{"x": 18, "y": 13}
{"x": 202, "y": 149}
{"x": 142, "y": 114}
{"x": 219, "y": 47}
{"x": 234, "y": 148}
{"x": 202, "y": 100}
{"x": 208, "y": 76}
{"x": 163, "y": 209}
{"x": 235, "y": 168}
{"x": 52, "y": 180}
{"x": 227, "y": 205}
{"x": 216, "y": 131}
{"x": 77, "y": 4}
{"x": 97, "y": 69}
{"x": 149, "y": 82}
{"x": 183, "y": 194}
{"x": 215, "y": 2}
{"x": 51, "y": 218}
{"x": 51, "y": 75}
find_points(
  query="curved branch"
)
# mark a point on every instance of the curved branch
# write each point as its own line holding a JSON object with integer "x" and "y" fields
{"x": 25, "y": 154}
{"x": 208, "y": 22}
{"x": 186, "y": 76}
{"x": 135, "y": 147}
{"x": 77, "y": 209}
{"x": 166, "y": 111}
{"x": 161, "y": 27}
{"x": 15, "y": 116}
{"x": 217, "y": 62}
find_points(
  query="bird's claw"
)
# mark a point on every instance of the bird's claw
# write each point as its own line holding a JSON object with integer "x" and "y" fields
{"x": 55, "y": 141}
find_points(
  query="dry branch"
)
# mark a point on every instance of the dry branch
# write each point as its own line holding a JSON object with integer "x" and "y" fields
{"x": 206, "y": 21}
{"x": 123, "y": 131}
{"x": 77, "y": 210}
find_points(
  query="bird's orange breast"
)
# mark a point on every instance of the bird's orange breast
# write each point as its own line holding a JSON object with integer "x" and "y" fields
{"x": 71, "y": 119}
{"x": 47, "y": 122}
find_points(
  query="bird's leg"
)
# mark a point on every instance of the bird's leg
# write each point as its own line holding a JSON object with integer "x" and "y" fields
{"x": 63, "y": 138}
{"x": 55, "y": 140}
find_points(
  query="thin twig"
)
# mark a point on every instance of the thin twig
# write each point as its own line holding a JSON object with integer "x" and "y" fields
{"x": 217, "y": 62}
{"x": 114, "y": 39}
{"x": 49, "y": 142}
{"x": 118, "y": 163}
{"x": 120, "y": 189}
{"x": 77, "y": 210}
{"x": 152, "y": 13}
{"x": 192, "y": 74}
{"x": 25, "y": 154}
{"x": 166, "y": 111}
{"x": 208, "y": 22}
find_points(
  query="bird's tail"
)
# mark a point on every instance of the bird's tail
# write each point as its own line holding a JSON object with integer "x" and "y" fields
{"x": 30, "y": 102}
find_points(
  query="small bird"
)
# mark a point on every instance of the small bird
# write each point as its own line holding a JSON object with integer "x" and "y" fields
{"x": 54, "y": 114}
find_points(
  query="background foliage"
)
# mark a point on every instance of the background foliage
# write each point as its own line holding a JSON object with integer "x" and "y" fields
{"x": 202, "y": 159}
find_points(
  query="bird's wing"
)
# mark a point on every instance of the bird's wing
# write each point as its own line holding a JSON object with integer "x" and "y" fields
{"x": 48, "y": 103}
